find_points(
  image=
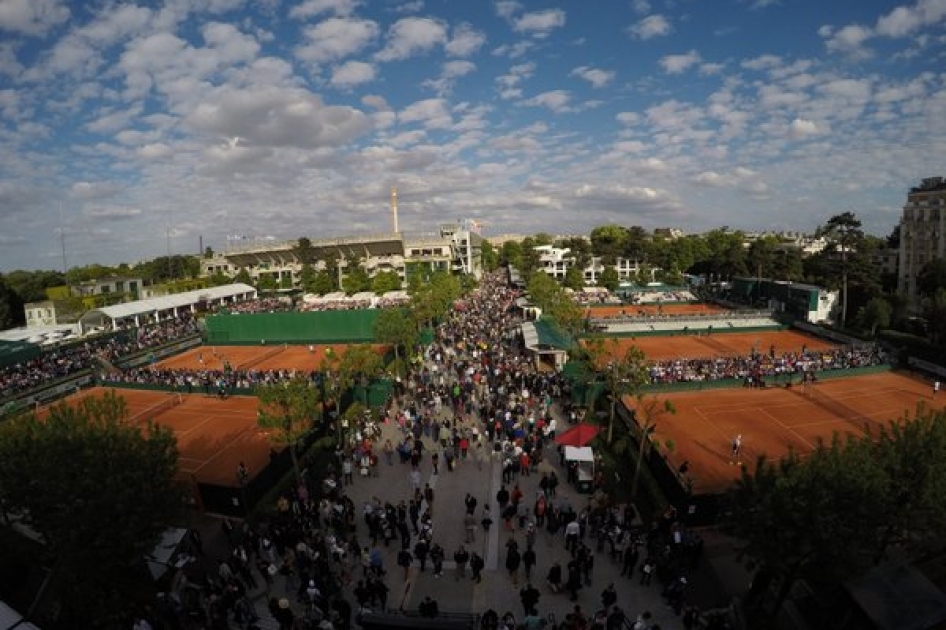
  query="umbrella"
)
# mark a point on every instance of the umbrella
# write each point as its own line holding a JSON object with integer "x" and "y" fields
{"x": 578, "y": 435}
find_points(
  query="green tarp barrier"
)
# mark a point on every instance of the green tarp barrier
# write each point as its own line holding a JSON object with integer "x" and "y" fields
{"x": 13, "y": 352}
{"x": 311, "y": 327}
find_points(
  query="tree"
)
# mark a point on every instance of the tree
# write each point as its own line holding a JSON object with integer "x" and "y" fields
{"x": 208, "y": 252}
{"x": 307, "y": 277}
{"x": 304, "y": 251}
{"x": 266, "y": 283}
{"x": 932, "y": 277}
{"x": 97, "y": 490}
{"x": 489, "y": 256}
{"x": 287, "y": 411}
{"x": 647, "y": 411}
{"x": 609, "y": 242}
{"x": 435, "y": 298}
{"x": 398, "y": 328}
{"x": 844, "y": 235}
{"x": 574, "y": 278}
{"x": 342, "y": 371}
{"x": 218, "y": 279}
{"x": 385, "y": 281}
{"x": 243, "y": 276}
{"x": 609, "y": 279}
{"x": 356, "y": 278}
{"x": 775, "y": 506}
{"x": 910, "y": 452}
{"x": 11, "y": 306}
{"x": 324, "y": 282}
{"x": 934, "y": 309}
{"x": 760, "y": 258}
{"x": 624, "y": 373}
{"x": 875, "y": 314}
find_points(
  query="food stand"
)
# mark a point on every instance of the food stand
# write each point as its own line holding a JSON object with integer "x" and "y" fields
{"x": 584, "y": 458}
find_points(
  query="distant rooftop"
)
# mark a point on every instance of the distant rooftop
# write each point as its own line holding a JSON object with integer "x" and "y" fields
{"x": 930, "y": 184}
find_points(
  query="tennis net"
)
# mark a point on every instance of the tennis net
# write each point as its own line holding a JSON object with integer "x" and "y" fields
{"x": 266, "y": 355}
{"x": 173, "y": 400}
{"x": 838, "y": 408}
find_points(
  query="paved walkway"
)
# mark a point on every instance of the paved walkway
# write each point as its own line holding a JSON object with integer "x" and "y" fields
{"x": 496, "y": 590}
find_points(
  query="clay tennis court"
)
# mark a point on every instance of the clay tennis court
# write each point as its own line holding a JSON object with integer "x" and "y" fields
{"x": 275, "y": 357}
{"x": 774, "y": 420}
{"x": 213, "y": 435}
{"x": 668, "y": 348}
{"x": 631, "y": 310}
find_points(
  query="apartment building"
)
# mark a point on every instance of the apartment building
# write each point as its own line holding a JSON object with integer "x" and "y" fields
{"x": 922, "y": 234}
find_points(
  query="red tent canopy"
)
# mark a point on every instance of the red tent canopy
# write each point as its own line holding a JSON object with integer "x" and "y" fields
{"x": 578, "y": 435}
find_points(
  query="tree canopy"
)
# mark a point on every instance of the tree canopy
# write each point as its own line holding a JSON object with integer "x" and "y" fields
{"x": 836, "y": 512}
{"x": 97, "y": 490}
{"x": 288, "y": 411}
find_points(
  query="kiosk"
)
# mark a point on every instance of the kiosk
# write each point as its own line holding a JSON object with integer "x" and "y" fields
{"x": 584, "y": 458}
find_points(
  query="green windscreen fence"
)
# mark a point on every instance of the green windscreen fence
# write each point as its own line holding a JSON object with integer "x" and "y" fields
{"x": 310, "y": 327}
{"x": 13, "y": 352}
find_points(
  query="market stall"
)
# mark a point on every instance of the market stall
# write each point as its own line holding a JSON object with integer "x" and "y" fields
{"x": 581, "y": 461}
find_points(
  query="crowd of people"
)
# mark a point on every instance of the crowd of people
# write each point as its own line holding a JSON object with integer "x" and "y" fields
{"x": 756, "y": 366}
{"x": 258, "y": 305}
{"x": 349, "y": 303}
{"x": 75, "y": 357}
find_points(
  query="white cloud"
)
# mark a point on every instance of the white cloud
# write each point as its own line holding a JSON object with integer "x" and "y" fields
{"x": 432, "y": 113}
{"x": 274, "y": 117}
{"x": 539, "y": 23}
{"x": 32, "y": 17}
{"x": 555, "y": 100}
{"x": 352, "y": 73}
{"x": 507, "y": 8}
{"x": 640, "y": 6}
{"x": 111, "y": 212}
{"x": 465, "y": 41}
{"x": 311, "y": 8}
{"x": 677, "y": 64}
{"x": 763, "y": 62}
{"x": 90, "y": 191}
{"x": 628, "y": 118}
{"x": 336, "y": 38}
{"x": 412, "y": 36}
{"x": 799, "y": 129}
{"x": 376, "y": 102}
{"x": 595, "y": 76}
{"x": 848, "y": 40}
{"x": 155, "y": 151}
{"x": 651, "y": 26}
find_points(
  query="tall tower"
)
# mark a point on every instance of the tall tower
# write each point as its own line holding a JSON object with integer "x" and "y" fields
{"x": 394, "y": 207}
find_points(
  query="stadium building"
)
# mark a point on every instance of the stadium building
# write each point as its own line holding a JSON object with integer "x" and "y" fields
{"x": 454, "y": 247}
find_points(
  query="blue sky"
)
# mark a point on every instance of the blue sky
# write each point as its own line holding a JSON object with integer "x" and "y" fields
{"x": 274, "y": 119}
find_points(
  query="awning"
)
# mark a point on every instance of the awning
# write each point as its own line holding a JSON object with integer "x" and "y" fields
{"x": 579, "y": 454}
{"x": 578, "y": 435}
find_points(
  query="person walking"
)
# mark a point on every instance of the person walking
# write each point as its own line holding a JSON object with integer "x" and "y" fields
{"x": 476, "y": 566}
{"x": 436, "y": 558}
{"x": 528, "y": 561}
{"x": 461, "y": 556}
{"x": 469, "y": 523}
{"x": 529, "y": 596}
{"x": 513, "y": 560}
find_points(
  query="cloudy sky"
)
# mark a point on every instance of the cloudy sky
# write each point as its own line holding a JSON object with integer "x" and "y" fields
{"x": 129, "y": 123}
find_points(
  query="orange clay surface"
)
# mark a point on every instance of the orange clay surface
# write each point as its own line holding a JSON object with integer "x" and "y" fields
{"x": 774, "y": 420}
{"x": 663, "y": 347}
{"x": 616, "y": 310}
{"x": 292, "y": 357}
{"x": 213, "y": 435}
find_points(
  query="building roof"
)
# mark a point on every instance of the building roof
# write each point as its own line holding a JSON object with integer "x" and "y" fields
{"x": 166, "y": 302}
{"x": 544, "y": 336}
{"x": 897, "y": 596}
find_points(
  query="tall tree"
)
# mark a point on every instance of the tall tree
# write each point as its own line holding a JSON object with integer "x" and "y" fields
{"x": 932, "y": 277}
{"x": 609, "y": 279}
{"x": 574, "y": 278}
{"x": 609, "y": 242}
{"x": 624, "y": 372}
{"x": 11, "y": 306}
{"x": 775, "y": 506}
{"x": 97, "y": 490}
{"x": 489, "y": 256}
{"x": 304, "y": 252}
{"x": 397, "y": 327}
{"x": 385, "y": 281}
{"x": 288, "y": 412}
{"x": 307, "y": 277}
{"x": 875, "y": 315}
{"x": 844, "y": 235}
